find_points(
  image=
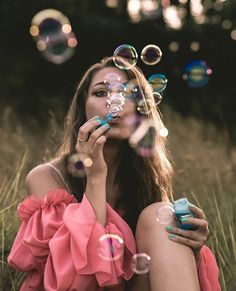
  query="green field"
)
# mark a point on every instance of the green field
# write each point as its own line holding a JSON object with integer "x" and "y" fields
{"x": 205, "y": 172}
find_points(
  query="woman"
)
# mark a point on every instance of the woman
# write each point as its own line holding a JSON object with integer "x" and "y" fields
{"x": 65, "y": 216}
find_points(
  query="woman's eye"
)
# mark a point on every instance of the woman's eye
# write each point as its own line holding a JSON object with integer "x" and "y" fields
{"x": 101, "y": 93}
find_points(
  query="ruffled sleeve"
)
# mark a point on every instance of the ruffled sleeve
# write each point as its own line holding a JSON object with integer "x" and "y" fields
{"x": 58, "y": 245}
{"x": 208, "y": 271}
{"x": 40, "y": 219}
{"x": 77, "y": 244}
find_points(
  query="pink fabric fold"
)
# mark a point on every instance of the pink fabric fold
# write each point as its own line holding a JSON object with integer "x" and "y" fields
{"x": 208, "y": 271}
{"x": 58, "y": 246}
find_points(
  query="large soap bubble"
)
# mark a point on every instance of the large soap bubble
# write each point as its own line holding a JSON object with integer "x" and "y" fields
{"x": 151, "y": 54}
{"x": 125, "y": 56}
{"x": 54, "y": 36}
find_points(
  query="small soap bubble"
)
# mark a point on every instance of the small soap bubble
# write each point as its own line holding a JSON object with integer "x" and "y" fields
{"x": 165, "y": 215}
{"x": 146, "y": 146}
{"x": 157, "y": 98}
{"x": 115, "y": 104}
{"x": 151, "y": 54}
{"x": 125, "y": 57}
{"x": 197, "y": 74}
{"x": 144, "y": 106}
{"x": 110, "y": 247}
{"x": 140, "y": 263}
{"x": 132, "y": 90}
{"x": 77, "y": 163}
{"x": 116, "y": 87}
{"x": 158, "y": 82}
{"x": 112, "y": 77}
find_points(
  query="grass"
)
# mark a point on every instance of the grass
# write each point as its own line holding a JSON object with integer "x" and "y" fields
{"x": 204, "y": 172}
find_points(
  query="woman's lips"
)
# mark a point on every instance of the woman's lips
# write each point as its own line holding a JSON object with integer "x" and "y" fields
{"x": 115, "y": 120}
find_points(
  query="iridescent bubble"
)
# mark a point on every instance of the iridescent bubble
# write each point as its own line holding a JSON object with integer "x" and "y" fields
{"x": 116, "y": 87}
{"x": 157, "y": 98}
{"x": 53, "y": 35}
{"x": 125, "y": 57}
{"x": 158, "y": 82}
{"x": 110, "y": 247}
{"x": 140, "y": 263}
{"x": 77, "y": 164}
{"x": 112, "y": 77}
{"x": 115, "y": 103}
{"x": 197, "y": 74}
{"x": 132, "y": 90}
{"x": 144, "y": 106}
{"x": 146, "y": 146}
{"x": 58, "y": 48}
{"x": 151, "y": 54}
{"x": 165, "y": 215}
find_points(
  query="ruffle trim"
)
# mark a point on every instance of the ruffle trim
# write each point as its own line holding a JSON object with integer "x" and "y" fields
{"x": 33, "y": 203}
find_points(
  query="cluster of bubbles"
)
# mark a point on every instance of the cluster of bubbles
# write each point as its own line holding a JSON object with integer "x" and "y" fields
{"x": 197, "y": 74}
{"x": 53, "y": 35}
{"x": 125, "y": 57}
{"x": 150, "y": 55}
{"x": 110, "y": 247}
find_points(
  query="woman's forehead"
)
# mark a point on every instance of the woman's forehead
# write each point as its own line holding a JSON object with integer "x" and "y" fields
{"x": 106, "y": 73}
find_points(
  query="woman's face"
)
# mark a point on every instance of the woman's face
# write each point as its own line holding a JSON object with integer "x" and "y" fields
{"x": 96, "y": 104}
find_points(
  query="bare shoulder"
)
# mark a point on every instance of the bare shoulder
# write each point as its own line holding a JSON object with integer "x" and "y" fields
{"x": 42, "y": 179}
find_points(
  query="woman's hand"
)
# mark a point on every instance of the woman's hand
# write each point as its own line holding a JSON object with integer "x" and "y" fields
{"x": 195, "y": 239}
{"x": 90, "y": 142}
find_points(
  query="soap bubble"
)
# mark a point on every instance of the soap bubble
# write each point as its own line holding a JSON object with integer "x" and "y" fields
{"x": 197, "y": 74}
{"x": 53, "y": 35}
{"x": 144, "y": 106}
{"x": 151, "y": 54}
{"x": 157, "y": 98}
{"x": 112, "y": 77}
{"x": 165, "y": 215}
{"x": 132, "y": 90}
{"x": 110, "y": 247}
{"x": 58, "y": 48}
{"x": 115, "y": 103}
{"x": 125, "y": 57}
{"x": 158, "y": 82}
{"x": 77, "y": 164}
{"x": 140, "y": 263}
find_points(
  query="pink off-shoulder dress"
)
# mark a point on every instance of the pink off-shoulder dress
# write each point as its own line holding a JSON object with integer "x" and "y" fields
{"x": 56, "y": 246}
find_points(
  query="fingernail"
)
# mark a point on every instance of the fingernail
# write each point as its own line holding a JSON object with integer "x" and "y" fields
{"x": 191, "y": 205}
{"x": 169, "y": 227}
{"x": 184, "y": 219}
{"x": 171, "y": 235}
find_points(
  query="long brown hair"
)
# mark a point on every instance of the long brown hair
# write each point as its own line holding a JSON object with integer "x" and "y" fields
{"x": 144, "y": 180}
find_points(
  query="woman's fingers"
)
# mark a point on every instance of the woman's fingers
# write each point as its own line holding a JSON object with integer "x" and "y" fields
{"x": 197, "y": 211}
{"x": 193, "y": 244}
{"x": 87, "y": 128}
{"x": 93, "y": 138}
{"x": 99, "y": 144}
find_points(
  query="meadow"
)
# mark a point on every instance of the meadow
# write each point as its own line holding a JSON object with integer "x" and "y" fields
{"x": 205, "y": 172}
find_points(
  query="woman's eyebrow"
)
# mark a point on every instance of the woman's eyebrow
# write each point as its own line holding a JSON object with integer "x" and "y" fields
{"x": 99, "y": 83}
